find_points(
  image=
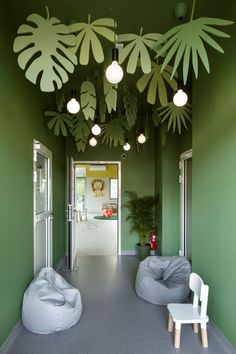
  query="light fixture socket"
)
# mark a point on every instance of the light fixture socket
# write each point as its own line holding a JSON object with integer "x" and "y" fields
{"x": 115, "y": 54}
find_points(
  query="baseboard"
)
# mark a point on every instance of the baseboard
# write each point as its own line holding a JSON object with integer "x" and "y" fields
{"x": 60, "y": 262}
{"x": 128, "y": 253}
{"x": 11, "y": 338}
{"x": 228, "y": 347}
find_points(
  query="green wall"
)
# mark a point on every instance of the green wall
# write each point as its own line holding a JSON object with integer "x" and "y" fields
{"x": 214, "y": 180}
{"x": 21, "y": 121}
{"x": 137, "y": 173}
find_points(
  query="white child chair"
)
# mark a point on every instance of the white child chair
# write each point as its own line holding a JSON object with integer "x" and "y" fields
{"x": 191, "y": 313}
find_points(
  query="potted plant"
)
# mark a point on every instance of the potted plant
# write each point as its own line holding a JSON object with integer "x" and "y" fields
{"x": 142, "y": 216}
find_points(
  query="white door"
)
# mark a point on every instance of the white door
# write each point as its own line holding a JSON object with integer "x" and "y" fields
{"x": 42, "y": 207}
{"x": 186, "y": 204}
{"x": 71, "y": 216}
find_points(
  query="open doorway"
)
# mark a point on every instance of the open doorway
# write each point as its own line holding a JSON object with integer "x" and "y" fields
{"x": 96, "y": 205}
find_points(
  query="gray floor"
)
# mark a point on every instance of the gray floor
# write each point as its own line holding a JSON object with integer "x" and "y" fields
{"x": 114, "y": 319}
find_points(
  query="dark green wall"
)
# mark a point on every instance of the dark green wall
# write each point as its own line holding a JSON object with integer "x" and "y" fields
{"x": 214, "y": 179}
{"x": 137, "y": 173}
{"x": 21, "y": 121}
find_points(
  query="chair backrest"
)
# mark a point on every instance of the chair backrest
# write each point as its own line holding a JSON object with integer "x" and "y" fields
{"x": 200, "y": 291}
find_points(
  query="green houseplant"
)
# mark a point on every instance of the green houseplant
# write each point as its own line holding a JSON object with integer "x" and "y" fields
{"x": 143, "y": 220}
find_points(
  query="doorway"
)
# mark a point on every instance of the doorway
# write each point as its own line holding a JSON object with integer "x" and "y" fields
{"x": 186, "y": 204}
{"x": 96, "y": 208}
{"x": 42, "y": 206}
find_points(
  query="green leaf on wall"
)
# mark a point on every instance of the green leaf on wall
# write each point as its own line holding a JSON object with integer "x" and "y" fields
{"x": 81, "y": 144}
{"x": 43, "y": 51}
{"x": 110, "y": 92}
{"x": 60, "y": 122}
{"x": 60, "y": 100}
{"x": 137, "y": 49}
{"x": 187, "y": 40}
{"x": 176, "y": 116}
{"x": 81, "y": 127}
{"x": 113, "y": 131}
{"x": 87, "y": 37}
{"x": 130, "y": 105}
{"x": 88, "y": 99}
{"x": 155, "y": 81}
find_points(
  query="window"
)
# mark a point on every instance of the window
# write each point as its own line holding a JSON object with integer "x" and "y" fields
{"x": 113, "y": 188}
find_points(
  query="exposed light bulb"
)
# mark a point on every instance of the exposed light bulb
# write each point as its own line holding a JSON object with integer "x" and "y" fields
{"x": 73, "y": 106}
{"x": 96, "y": 130}
{"x": 93, "y": 141}
{"x": 141, "y": 138}
{"x": 126, "y": 146}
{"x": 180, "y": 98}
{"x": 114, "y": 73}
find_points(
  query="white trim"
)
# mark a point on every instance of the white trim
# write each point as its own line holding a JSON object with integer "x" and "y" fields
{"x": 183, "y": 181}
{"x": 128, "y": 253}
{"x": 11, "y": 338}
{"x": 60, "y": 262}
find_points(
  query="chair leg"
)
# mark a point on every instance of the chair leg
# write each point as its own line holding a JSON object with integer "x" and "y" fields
{"x": 177, "y": 335}
{"x": 170, "y": 324}
{"x": 195, "y": 328}
{"x": 204, "y": 335}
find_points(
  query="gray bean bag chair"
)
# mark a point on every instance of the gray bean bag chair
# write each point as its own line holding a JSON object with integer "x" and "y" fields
{"x": 161, "y": 280}
{"x": 50, "y": 304}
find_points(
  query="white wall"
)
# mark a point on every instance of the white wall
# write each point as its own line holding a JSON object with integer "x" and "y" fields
{"x": 93, "y": 203}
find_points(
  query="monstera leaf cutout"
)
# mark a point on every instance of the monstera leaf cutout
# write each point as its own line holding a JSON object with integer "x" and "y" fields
{"x": 110, "y": 92}
{"x": 60, "y": 122}
{"x": 113, "y": 131}
{"x": 43, "y": 51}
{"x": 87, "y": 38}
{"x": 88, "y": 99}
{"x": 177, "y": 116}
{"x": 188, "y": 39}
{"x": 155, "y": 81}
{"x": 130, "y": 105}
{"x": 81, "y": 127}
{"x": 137, "y": 49}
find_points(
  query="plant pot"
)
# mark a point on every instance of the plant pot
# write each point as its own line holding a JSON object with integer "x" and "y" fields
{"x": 142, "y": 251}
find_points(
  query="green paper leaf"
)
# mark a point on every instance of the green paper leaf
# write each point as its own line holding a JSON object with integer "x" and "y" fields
{"x": 189, "y": 37}
{"x": 176, "y": 116}
{"x": 43, "y": 49}
{"x": 81, "y": 144}
{"x": 87, "y": 38}
{"x": 155, "y": 81}
{"x": 88, "y": 99}
{"x": 113, "y": 131}
{"x": 137, "y": 49}
{"x": 60, "y": 122}
{"x": 130, "y": 105}
{"x": 60, "y": 100}
{"x": 81, "y": 127}
{"x": 110, "y": 92}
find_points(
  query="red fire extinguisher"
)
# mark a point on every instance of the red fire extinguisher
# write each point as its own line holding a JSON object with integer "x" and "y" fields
{"x": 153, "y": 240}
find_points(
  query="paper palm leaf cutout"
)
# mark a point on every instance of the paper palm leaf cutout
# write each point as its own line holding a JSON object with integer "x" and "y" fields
{"x": 81, "y": 144}
{"x": 155, "y": 81}
{"x": 137, "y": 49}
{"x": 188, "y": 40}
{"x": 88, "y": 99}
{"x": 110, "y": 92}
{"x": 130, "y": 105}
{"x": 42, "y": 49}
{"x": 177, "y": 116}
{"x": 81, "y": 127}
{"x": 113, "y": 132}
{"x": 87, "y": 37}
{"x": 60, "y": 122}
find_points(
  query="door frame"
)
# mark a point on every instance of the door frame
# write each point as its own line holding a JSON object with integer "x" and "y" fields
{"x": 118, "y": 163}
{"x": 183, "y": 190}
{"x": 44, "y": 151}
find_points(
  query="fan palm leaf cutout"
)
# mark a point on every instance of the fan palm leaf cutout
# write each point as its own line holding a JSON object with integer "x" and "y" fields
{"x": 110, "y": 93}
{"x": 60, "y": 122}
{"x": 113, "y": 131}
{"x": 187, "y": 40}
{"x": 81, "y": 144}
{"x": 87, "y": 37}
{"x": 130, "y": 105}
{"x": 176, "y": 116}
{"x": 81, "y": 127}
{"x": 137, "y": 49}
{"x": 88, "y": 99}
{"x": 155, "y": 81}
{"x": 43, "y": 48}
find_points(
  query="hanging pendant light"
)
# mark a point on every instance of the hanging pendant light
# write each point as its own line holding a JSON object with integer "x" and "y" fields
{"x": 73, "y": 105}
{"x": 96, "y": 129}
{"x": 141, "y": 138}
{"x": 126, "y": 146}
{"x": 180, "y": 97}
{"x": 93, "y": 141}
{"x": 114, "y": 72}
